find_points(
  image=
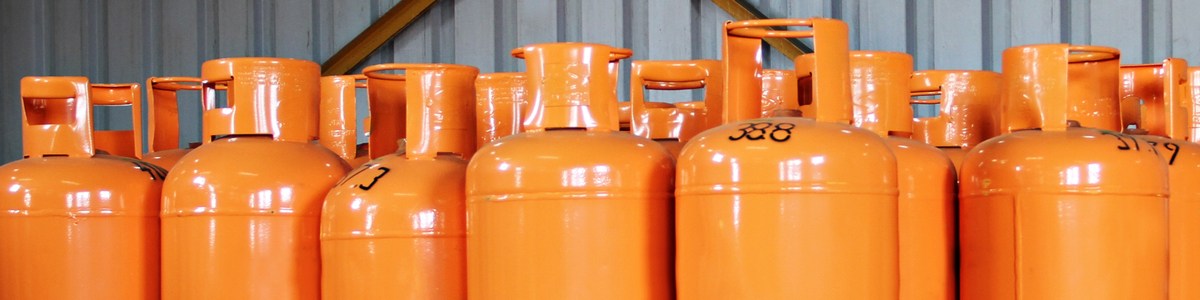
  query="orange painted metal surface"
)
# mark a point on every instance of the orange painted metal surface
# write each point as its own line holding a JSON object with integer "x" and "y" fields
{"x": 163, "y": 102}
{"x": 74, "y": 224}
{"x": 1163, "y": 94}
{"x": 571, "y": 208}
{"x": 787, "y": 208}
{"x": 695, "y": 118}
{"x": 969, "y": 111}
{"x": 779, "y": 92}
{"x": 338, "y": 129}
{"x": 127, "y": 143}
{"x": 1194, "y": 72}
{"x": 500, "y": 106}
{"x": 879, "y": 83}
{"x": 395, "y": 228}
{"x": 664, "y": 122}
{"x": 241, "y": 213}
{"x": 1093, "y": 98}
{"x": 1053, "y": 211}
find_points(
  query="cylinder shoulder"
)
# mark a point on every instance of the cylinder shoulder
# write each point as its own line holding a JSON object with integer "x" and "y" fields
{"x": 280, "y": 177}
{"x": 100, "y": 185}
{"x": 578, "y": 160}
{"x": 795, "y": 151}
{"x": 1075, "y": 160}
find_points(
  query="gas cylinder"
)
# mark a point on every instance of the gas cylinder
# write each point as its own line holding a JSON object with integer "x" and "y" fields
{"x": 163, "y": 102}
{"x": 500, "y": 106}
{"x": 786, "y": 207}
{"x": 1162, "y": 94}
{"x": 571, "y": 208}
{"x": 241, "y": 213}
{"x": 779, "y": 93}
{"x": 968, "y": 113}
{"x": 126, "y": 143}
{"x": 403, "y": 236}
{"x": 1055, "y": 210}
{"x": 75, "y": 224}
{"x": 879, "y": 83}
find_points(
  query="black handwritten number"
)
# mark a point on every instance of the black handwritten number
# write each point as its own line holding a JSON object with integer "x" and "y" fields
{"x": 786, "y": 132}
{"x": 1174, "y": 151}
{"x": 748, "y": 131}
{"x": 1124, "y": 145}
{"x": 1153, "y": 146}
{"x": 374, "y": 180}
{"x": 754, "y": 131}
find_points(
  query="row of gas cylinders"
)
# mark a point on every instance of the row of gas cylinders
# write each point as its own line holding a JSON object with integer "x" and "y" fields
{"x": 812, "y": 183}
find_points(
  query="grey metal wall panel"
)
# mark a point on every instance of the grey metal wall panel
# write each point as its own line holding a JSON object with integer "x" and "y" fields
{"x": 129, "y": 40}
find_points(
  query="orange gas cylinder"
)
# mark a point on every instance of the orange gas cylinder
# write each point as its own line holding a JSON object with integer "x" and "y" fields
{"x": 968, "y": 114}
{"x": 787, "y": 207}
{"x": 74, "y": 224}
{"x": 500, "y": 106}
{"x": 665, "y": 122}
{"x": 1058, "y": 211}
{"x": 779, "y": 92}
{"x": 163, "y": 100}
{"x": 241, "y": 213}
{"x": 879, "y": 83}
{"x": 338, "y": 129}
{"x": 571, "y": 208}
{"x": 1162, "y": 94}
{"x": 403, "y": 236}
{"x": 127, "y": 143}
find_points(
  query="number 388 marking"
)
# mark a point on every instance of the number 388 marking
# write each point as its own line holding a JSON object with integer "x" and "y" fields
{"x": 779, "y": 132}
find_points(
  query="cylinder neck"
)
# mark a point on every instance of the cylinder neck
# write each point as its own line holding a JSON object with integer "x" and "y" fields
{"x": 1037, "y": 87}
{"x": 440, "y": 108}
{"x": 571, "y": 85}
{"x": 338, "y": 127}
{"x": 880, "y": 85}
{"x": 56, "y": 117}
{"x": 275, "y": 96}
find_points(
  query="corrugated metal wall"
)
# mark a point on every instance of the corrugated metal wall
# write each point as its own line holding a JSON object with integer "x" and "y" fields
{"x": 128, "y": 40}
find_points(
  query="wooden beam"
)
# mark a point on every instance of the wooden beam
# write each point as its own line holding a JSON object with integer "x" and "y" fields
{"x": 741, "y": 10}
{"x": 387, "y": 26}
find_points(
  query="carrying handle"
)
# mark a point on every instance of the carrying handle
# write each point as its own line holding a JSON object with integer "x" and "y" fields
{"x": 926, "y": 83}
{"x": 56, "y": 117}
{"x": 163, "y": 102}
{"x": 1036, "y": 79}
{"x": 440, "y": 108}
{"x": 742, "y": 56}
{"x": 338, "y": 130}
{"x": 1175, "y": 101}
{"x": 572, "y": 86}
{"x": 670, "y": 75}
{"x": 271, "y": 96}
{"x": 126, "y": 143}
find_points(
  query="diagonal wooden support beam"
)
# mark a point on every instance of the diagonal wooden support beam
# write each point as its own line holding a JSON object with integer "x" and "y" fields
{"x": 741, "y": 10}
{"x": 387, "y": 26}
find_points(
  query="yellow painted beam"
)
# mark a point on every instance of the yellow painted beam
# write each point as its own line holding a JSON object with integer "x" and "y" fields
{"x": 387, "y": 26}
{"x": 742, "y": 11}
